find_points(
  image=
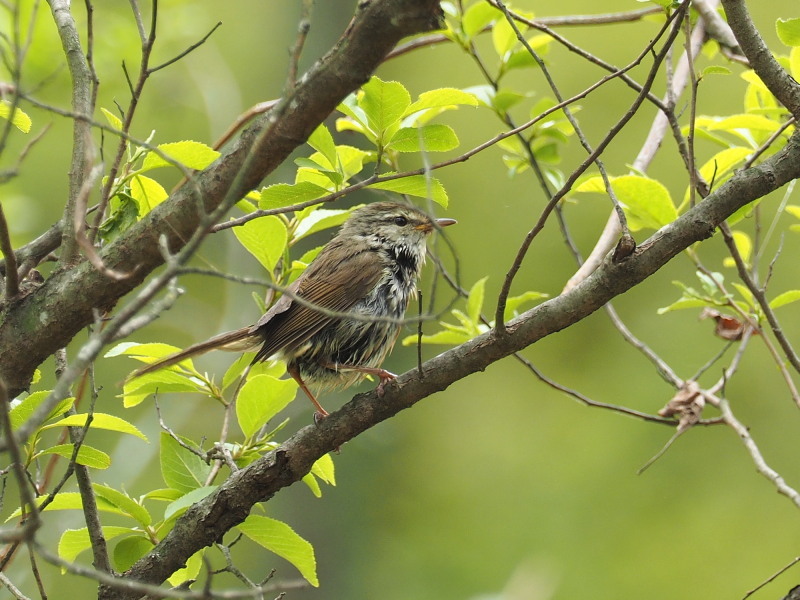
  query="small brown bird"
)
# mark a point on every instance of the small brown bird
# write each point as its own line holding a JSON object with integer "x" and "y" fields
{"x": 369, "y": 270}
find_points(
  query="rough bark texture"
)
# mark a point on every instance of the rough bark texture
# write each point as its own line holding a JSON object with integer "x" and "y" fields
{"x": 36, "y": 325}
{"x": 209, "y": 519}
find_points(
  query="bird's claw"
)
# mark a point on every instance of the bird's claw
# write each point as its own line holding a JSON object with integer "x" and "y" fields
{"x": 386, "y": 377}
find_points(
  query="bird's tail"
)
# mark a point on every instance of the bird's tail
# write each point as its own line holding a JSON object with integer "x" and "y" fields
{"x": 238, "y": 340}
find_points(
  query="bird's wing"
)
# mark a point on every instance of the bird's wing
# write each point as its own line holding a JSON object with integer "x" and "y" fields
{"x": 288, "y": 324}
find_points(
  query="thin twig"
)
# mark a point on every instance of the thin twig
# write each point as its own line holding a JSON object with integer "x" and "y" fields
{"x": 537, "y": 228}
{"x": 772, "y": 577}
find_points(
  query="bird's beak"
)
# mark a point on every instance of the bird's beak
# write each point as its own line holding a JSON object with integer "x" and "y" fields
{"x": 445, "y": 222}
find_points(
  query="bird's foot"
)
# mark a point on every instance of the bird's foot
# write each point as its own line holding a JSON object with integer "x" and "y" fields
{"x": 319, "y": 415}
{"x": 385, "y": 377}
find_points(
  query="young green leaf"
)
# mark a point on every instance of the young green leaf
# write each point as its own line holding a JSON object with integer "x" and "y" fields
{"x": 265, "y": 238}
{"x": 281, "y": 539}
{"x": 129, "y": 550}
{"x": 182, "y": 469}
{"x": 428, "y": 138}
{"x": 75, "y": 541}
{"x": 147, "y": 193}
{"x": 477, "y": 17}
{"x": 788, "y": 31}
{"x": 124, "y": 503}
{"x": 416, "y": 185}
{"x": 170, "y": 380}
{"x": 23, "y": 410}
{"x": 324, "y": 469}
{"x": 189, "y": 572}
{"x": 99, "y": 421}
{"x": 68, "y": 501}
{"x": 322, "y": 141}
{"x": 260, "y": 399}
{"x": 784, "y": 299}
{"x": 87, "y": 456}
{"x": 319, "y": 219}
{"x": 179, "y": 505}
{"x": 19, "y": 119}
{"x": 744, "y": 245}
{"x": 284, "y": 194}
{"x": 384, "y": 103}
{"x": 192, "y": 155}
{"x": 647, "y": 202}
{"x": 112, "y": 119}
{"x": 475, "y": 300}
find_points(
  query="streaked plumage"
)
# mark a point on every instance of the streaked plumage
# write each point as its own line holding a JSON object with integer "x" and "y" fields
{"x": 369, "y": 269}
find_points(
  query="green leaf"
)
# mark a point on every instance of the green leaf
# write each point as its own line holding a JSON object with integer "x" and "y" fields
{"x": 75, "y": 541}
{"x": 434, "y": 102}
{"x": 788, "y": 31}
{"x": 189, "y": 572}
{"x": 281, "y": 539}
{"x": 428, "y": 138}
{"x": 148, "y": 193}
{"x": 448, "y": 338}
{"x": 503, "y": 37}
{"x": 19, "y": 119}
{"x": 163, "y": 494}
{"x": 163, "y": 381}
{"x": 147, "y": 353}
{"x": 647, "y": 202}
{"x": 715, "y": 70}
{"x": 416, "y": 185}
{"x": 68, "y": 501}
{"x": 751, "y": 122}
{"x": 181, "y": 469}
{"x": 284, "y": 194}
{"x": 384, "y": 103}
{"x": 265, "y": 238}
{"x": 192, "y": 155}
{"x": 322, "y": 141}
{"x": 350, "y": 160}
{"x": 124, "y": 503}
{"x": 312, "y": 484}
{"x": 682, "y": 303}
{"x": 794, "y": 62}
{"x": 477, "y": 17}
{"x": 475, "y": 300}
{"x": 260, "y": 399}
{"x": 785, "y": 298}
{"x": 181, "y": 504}
{"x": 25, "y": 408}
{"x": 112, "y": 119}
{"x": 88, "y": 456}
{"x": 513, "y": 303}
{"x": 129, "y": 550}
{"x": 324, "y": 469}
{"x": 99, "y": 421}
{"x": 318, "y": 220}
{"x": 743, "y": 244}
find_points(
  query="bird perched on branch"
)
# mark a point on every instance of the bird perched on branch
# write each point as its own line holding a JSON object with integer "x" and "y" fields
{"x": 339, "y": 319}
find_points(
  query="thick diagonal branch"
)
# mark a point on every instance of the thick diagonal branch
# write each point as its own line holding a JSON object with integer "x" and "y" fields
{"x": 206, "y": 521}
{"x": 47, "y": 319}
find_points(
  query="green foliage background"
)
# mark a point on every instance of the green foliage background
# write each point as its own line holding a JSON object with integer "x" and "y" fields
{"x": 499, "y": 487}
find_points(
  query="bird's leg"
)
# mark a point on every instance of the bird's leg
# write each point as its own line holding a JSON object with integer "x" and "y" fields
{"x": 384, "y": 375}
{"x": 320, "y": 413}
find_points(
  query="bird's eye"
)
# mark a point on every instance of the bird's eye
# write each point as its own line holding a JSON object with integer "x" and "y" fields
{"x": 400, "y": 221}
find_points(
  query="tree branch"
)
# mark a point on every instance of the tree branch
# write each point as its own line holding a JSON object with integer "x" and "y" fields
{"x": 775, "y": 77}
{"x": 47, "y": 319}
{"x": 206, "y": 521}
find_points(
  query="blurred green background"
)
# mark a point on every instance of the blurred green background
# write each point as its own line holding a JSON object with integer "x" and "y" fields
{"x": 499, "y": 487}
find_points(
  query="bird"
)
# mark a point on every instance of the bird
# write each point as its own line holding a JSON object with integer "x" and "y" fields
{"x": 337, "y": 322}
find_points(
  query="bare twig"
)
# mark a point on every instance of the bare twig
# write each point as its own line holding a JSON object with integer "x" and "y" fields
{"x": 523, "y": 249}
{"x": 772, "y": 577}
